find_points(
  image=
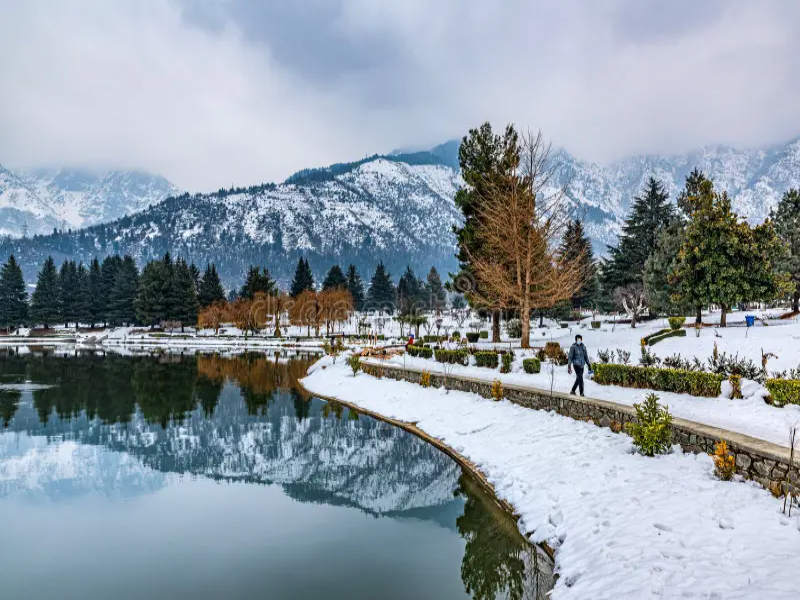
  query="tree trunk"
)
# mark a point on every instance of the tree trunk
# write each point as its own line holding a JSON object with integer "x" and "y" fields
{"x": 496, "y": 326}
{"x": 699, "y": 318}
{"x": 796, "y": 301}
{"x": 723, "y": 319}
{"x": 526, "y": 326}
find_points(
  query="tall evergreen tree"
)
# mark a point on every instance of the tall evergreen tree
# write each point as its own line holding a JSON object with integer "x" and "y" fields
{"x": 303, "y": 278}
{"x": 334, "y": 279}
{"x": 13, "y": 297}
{"x": 211, "y": 289}
{"x": 154, "y": 296}
{"x": 196, "y": 277}
{"x": 409, "y": 294}
{"x": 108, "y": 275}
{"x": 576, "y": 247}
{"x": 122, "y": 308}
{"x": 787, "y": 224}
{"x": 185, "y": 286}
{"x": 68, "y": 292}
{"x": 44, "y": 308}
{"x": 650, "y": 213}
{"x": 436, "y": 297}
{"x": 96, "y": 289}
{"x": 483, "y": 156}
{"x": 257, "y": 280}
{"x": 658, "y": 269}
{"x": 82, "y": 301}
{"x": 356, "y": 287}
{"x": 381, "y": 295}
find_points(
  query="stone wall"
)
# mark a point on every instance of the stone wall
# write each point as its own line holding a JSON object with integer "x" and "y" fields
{"x": 763, "y": 462}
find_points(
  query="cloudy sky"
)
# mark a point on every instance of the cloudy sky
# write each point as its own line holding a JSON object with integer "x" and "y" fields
{"x": 217, "y": 92}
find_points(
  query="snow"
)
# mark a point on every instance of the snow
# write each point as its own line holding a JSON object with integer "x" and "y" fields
{"x": 623, "y": 525}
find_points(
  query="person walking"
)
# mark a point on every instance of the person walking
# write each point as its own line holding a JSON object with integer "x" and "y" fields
{"x": 578, "y": 359}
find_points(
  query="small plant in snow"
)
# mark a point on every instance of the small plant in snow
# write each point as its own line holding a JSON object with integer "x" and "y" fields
{"x": 649, "y": 359}
{"x": 724, "y": 462}
{"x": 793, "y": 429}
{"x": 354, "y": 362}
{"x": 425, "y": 379}
{"x": 605, "y": 356}
{"x": 497, "y": 390}
{"x": 623, "y": 356}
{"x": 507, "y": 359}
{"x": 652, "y": 432}
{"x": 736, "y": 386}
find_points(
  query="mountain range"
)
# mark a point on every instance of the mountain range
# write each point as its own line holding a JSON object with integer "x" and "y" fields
{"x": 395, "y": 208}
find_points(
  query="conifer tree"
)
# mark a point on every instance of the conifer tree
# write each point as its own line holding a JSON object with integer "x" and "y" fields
{"x": 356, "y": 287}
{"x": 303, "y": 278}
{"x": 650, "y": 213}
{"x": 658, "y": 268}
{"x": 335, "y": 279}
{"x": 787, "y": 224}
{"x": 257, "y": 280}
{"x": 436, "y": 297}
{"x": 96, "y": 302}
{"x": 122, "y": 300}
{"x": 108, "y": 275}
{"x": 153, "y": 298}
{"x": 409, "y": 294}
{"x": 68, "y": 291}
{"x": 44, "y": 308}
{"x": 576, "y": 247}
{"x": 211, "y": 289}
{"x": 195, "y": 277}
{"x": 82, "y": 301}
{"x": 13, "y": 297}
{"x": 381, "y": 295}
{"x": 185, "y": 286}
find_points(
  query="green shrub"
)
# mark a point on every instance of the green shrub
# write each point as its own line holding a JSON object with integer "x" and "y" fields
{"x": 508, "y": 359}
{"x": 433, "y": 338}
{"x": 456, "y": 335}
{"x": 676, "y": 323}
{"x": 646, "y": 339}
{"x": 484, "y": 335}
{"x": 514, "y": 328}
{"x": 532, "y": 365}
{"x": 596, "y": 324}
{"x": 665, "y": 380}
{"x": 355, "y": 363}
{"x": 455, "y": 357}
{"x": 486, "y": 359}
{"x": 652, "y": 433}
{"x": 555, "y": 353}
{"x": 654, "y": 339}
{"x": 541, "y": 355}
{"x": 422, "y": 352}
{"x": 784, "y": 391}
{"x": 564, "y": 325}
{"x": 472, "y": 337}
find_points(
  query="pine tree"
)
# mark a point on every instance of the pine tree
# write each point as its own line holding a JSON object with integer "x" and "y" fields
{"x": 660, "y": 264}
{"x": 650, "y": 213}
{"x": 108, "y": 275}
{"x": 68, "y": 291}
{"x": 787, "y": 224}
{"x": 356, "y": 287}
{"x": 211, "y": 289}
{"x": 153, "y": 298}
{"x": 122, "y": 307}
{"x": 195, "y": 277}
{"x": 82, "y": 301}
{"x": 171, "y": 295}
{"x": 436, "y": 297}
{"x": 257, "y": 281}
{"x": 13, "y": 296}
{"x": 409, "y": 294}
{"x": 303, "y": 278}
{"x": 381, "y": 295}
{"x": 576, "y": 247}
{"x": 96, "y": 306}
{"x": 185, "y": 286}
{"x": 334, "y": 279}
{"x": 44, "y": 308}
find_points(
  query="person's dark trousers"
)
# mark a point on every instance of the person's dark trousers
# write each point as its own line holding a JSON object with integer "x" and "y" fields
{"x": 578, "y": 379}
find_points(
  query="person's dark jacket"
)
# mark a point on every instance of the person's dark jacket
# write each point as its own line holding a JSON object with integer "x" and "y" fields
{"x": 578, "y": 356}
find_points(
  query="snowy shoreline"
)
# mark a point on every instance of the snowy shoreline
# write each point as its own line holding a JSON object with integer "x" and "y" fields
{"x": 623, "y": 526}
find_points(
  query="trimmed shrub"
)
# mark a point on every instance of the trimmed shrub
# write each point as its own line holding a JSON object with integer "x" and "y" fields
{"x": 355, "y": 363}
{"x": 497, "y": 390}
{"x": 486, "y": 359}
{"x": 456, "y": 335}
{"x": 514, "y": 328}
{"x": 676, "y": 323}
{"x": 434, "y": 338}
{"x": 473, "y": 337}
{"x": 596, "y": 324}
{"x": 551, "y": 349}
{"x": 454, "y": 357}
{"x": 665, "y": 380}
{"x": 425, "y": 379}
{"x": 667, "y": 334}
{"x": 784, "y": 391}
{"x": 646, "y": 339}
{"x": 724, "y": 463}
{"x": 564, "y": 325}
{"x": 484, "y": 335}
{"x": 652, "y": 432}
{"x": 507, "y": 359}
{"x": 532, "y": 365}
{"x": 420, "y": 351}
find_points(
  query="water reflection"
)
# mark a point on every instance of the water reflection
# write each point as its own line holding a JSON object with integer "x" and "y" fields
{"x": 124, "y": 427}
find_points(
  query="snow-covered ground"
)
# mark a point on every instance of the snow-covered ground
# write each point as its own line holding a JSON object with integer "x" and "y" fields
{"x": 623, "y": 525}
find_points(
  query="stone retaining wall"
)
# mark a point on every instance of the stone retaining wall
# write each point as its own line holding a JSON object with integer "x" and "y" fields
{"x": 763, "y": 462}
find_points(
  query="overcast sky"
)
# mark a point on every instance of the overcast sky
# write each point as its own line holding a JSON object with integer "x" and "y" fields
{"x": 211, "y": 93}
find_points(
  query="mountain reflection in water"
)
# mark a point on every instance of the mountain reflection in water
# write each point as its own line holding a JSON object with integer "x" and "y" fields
{"x": 127, "y": 427}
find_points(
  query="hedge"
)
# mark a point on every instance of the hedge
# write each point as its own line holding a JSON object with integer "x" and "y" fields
{"x": 784, "y": 391}
{"x": 696, "y": 383}
{"x": 654, "y": 339}
{"x": 676, "y": 322}
{"x": 484, "y": 335}
{"x": 486, "y": 359}
{"x": 646, "y": 339}
{"x": 434, "y": 338}
{"x": 595, "y": 324}
{"x": 532, "y": 365}
{"x": 472, "y": 337}
{"x": 456, "y": 357}
{"x": 420, "y": 351}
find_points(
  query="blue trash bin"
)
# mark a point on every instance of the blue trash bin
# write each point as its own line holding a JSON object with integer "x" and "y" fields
{"x": 750, "y": 319}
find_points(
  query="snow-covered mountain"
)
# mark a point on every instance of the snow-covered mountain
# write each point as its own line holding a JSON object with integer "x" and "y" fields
{"x": 40, "y": 200}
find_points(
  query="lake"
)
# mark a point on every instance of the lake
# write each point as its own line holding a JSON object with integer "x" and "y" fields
{"x": 218, "y": 476}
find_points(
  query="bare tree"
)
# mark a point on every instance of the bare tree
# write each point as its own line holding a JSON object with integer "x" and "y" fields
{"x": 632, "y": 299}
{"x": 522, "y": 222}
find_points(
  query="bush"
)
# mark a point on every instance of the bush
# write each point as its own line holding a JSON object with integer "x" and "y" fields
{"x": 508, "y": 358}
{"x": 514, "y": 328}
{"x": 724, "y": 463}
{"x": 596, "y": 324}
{"x": 484, "y": 335}
{"x": 453, "y": 357}
{"x": 654, "y": 339}
{"x": 736, "y": 386}
{"x": 486, "y": 359}
{"x": 564, "y": 325}
{"x": 456, "y": 335}
{"x": 532, "y": 365}
{"x": 649, "y": 359}
{"x": 645, "y": 341}
{"x": 551, "y": 349}
{"x": 422, "y": 352}
{"x": 355, "y": 363}
{"x": 623, "y": 356}
{"x": 676, "y": 323}
{"x": 605, "y": 356}
{"x": 652, "y": 433}
{"x": 541, "y": 355}
{"x": 497, "y": 390}
{"x": 665, "y": 380}
{"x": 472, "y": 337}
{"x": 433, "y": 338}
{"x": 725, "y": 364}
{"x": 784, "y": 391}
{"x": 676, "y": 361}
{"x": 425, "y": 379}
